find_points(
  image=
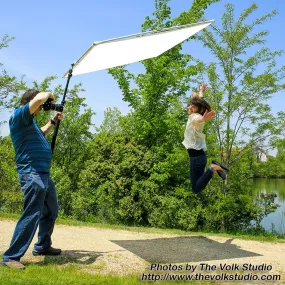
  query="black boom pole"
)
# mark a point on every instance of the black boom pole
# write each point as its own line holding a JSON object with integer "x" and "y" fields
{"x": 62, "y": 103}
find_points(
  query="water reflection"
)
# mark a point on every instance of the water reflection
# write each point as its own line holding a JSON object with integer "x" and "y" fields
{"x": 276, "y": 186}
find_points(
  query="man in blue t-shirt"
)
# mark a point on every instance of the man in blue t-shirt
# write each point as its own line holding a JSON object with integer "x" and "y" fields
{"x": 33, "y": 160}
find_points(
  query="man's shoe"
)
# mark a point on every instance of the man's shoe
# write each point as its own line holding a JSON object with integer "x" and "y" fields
{"x": 222, "y": 174}
{"x": 13, "y": 264}
{"x": 48, "y": 251}
{"x": 221, "y": 165}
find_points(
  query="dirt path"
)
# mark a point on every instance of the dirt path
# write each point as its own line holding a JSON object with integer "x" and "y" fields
{"x": 124, "y": 252}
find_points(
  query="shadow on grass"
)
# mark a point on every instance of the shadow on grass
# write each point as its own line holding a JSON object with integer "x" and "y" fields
{"x": 183, "y": 249}
{"x": 71, "y": 257}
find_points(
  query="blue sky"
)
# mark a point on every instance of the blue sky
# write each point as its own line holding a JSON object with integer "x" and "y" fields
{"x": 50, "y": 35}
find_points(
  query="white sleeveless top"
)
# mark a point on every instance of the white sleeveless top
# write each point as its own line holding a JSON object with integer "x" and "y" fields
{"x": 193, "y": 135}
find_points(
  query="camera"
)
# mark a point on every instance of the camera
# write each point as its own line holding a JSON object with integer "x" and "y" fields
{"x": 51, "y": 106}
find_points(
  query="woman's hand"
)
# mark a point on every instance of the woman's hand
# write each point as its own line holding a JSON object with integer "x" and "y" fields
{"x": 209, "y": 115}
{"x": 202, "y": 88}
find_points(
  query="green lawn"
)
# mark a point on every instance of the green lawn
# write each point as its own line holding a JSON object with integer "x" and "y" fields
{"x": 52, "y": 271}
{"x": 54, "y": 274}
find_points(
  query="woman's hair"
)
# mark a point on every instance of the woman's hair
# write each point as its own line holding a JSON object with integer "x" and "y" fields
{"x": 201, "y": 104}
{"x": 28, "y": 96}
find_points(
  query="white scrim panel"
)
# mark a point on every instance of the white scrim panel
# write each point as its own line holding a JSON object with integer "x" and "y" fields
{"x": 117, "y": 52}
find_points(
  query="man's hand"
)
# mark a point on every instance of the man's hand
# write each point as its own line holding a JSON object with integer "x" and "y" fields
{"x": 209, "y": 115}
{"x": 58, "y": 116}
{"x": 46, "y": 95}
{"x": 38, "y": 100}
{"x": 48, "y": 127}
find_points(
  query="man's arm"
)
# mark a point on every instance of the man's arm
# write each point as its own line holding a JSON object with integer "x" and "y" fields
{"x": 46, "y": 129}
{"x": 38, "y": 100}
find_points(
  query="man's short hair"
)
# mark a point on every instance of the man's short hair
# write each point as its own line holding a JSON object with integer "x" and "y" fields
{"x": 28, "y": 96}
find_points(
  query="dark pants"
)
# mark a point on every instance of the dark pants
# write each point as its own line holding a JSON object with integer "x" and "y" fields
{"x": 40, "y": 209}
{"x": 198, "y": 177}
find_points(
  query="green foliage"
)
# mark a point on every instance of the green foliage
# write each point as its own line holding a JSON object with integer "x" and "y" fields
{"x": 70, "y": 151}
{"x": 154, "y": 129}
{"x": 134, "y": 169}
{"x": 112, "y": 181}
{"x": 159, "y": 93}
{"x": 265, "y": 205}
{"x": 9, "y": 85}
{"x": 74, "y": 133}
{"x": 10, "y": 192}
{"x": 239, "y": 92}
{"x": 161, "y": 196}
{"x": 274, "y": 167}
{"x": 126, "y": 182}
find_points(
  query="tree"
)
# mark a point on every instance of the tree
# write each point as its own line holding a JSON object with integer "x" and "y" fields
{"x": 125, "y": 182}
{"x": 237, "y": 93}
{"x": 148, "y": 139}
{"x": 70, "y": 151}
{"x": 134, "y": 170}
{"x": 10, "y": 196}
{"x": 242, "y": 79}
{"x": 10, "y": 193}
{"x": 74, "y": 133}
{"x": 274, "y": 167}
{"x": 9, "y": 85}
{"x": 159, "y": 93}
{"x": 242, "y": 83}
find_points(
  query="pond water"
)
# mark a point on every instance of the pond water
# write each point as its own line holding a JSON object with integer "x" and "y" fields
{"x": 277, "y": 186}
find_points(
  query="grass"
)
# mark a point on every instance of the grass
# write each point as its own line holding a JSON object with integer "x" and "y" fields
{"x": 49, "y": 273}
{"x": 52, "y": 274}
{"x": 269, "y": 237}
{"x": 54, "y": 271}
{"x": 59, "y": 275}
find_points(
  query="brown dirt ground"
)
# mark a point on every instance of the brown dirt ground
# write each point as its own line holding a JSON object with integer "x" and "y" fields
{"x": 122, "y": 252}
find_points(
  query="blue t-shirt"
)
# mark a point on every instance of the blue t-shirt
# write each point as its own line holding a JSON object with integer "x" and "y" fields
{"x": 33, "y": 152}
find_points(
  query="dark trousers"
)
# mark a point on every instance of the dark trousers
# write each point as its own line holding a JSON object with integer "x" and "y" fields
{"x": 198, "y": 176}
{"x": 40, "y": 209}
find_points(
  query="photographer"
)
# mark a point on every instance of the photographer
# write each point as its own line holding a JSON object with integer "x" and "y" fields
{"x": 33, "y": 160}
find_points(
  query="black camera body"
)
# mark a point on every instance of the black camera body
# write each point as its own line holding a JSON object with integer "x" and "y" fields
{"x": 51, "y": 106}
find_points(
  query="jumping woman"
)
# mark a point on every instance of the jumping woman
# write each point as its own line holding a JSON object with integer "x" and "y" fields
{"x": 194, "y": 140}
